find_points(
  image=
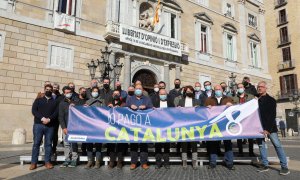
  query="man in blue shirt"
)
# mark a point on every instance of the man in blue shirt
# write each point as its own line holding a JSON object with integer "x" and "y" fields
{"x": 139, "y": 102}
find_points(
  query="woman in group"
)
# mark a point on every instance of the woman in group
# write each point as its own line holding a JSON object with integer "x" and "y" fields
{"x": 189, "y": 100}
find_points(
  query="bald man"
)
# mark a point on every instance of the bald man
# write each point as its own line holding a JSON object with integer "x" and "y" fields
{"x": 212, "y": 146}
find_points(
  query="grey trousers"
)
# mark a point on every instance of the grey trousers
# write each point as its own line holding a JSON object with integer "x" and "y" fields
{"x": 70, "y": 150}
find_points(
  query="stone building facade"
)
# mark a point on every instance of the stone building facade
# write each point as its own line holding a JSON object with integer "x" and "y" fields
{"x": 53, "y": 40}
{"x": 283, "y": 49}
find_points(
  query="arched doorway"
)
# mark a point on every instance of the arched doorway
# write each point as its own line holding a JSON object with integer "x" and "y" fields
{"x": 147, "y": 77}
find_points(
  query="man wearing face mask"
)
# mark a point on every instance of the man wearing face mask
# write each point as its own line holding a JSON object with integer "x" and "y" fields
{"x": 94, "y": 83}
{"x": 155, "y": 95}
{"x": 45, "y": 111}
{"x": 176, "y": 91}
{"x": 70, "y": 149}
{"x": 106, "y": 92}
{"x": 139, "y": 102}
{"x": 123, "y": 93}
{"x": 74, "y": 93}
{"x": 207, "y": 93}
{"x": 249, "y": 88}
{"x": 240, "y": 98}
{"x": 163, "y": 102}
{"x": 198, "y": 90}
{"x": 225, "y": 91}
{"x": 217, "y": 100}
{"x": 130, "y": 91}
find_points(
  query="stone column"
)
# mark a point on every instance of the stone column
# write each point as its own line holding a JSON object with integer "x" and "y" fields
{"x": 112, "y": 61}
{"x": 127, "y": 72}
{"x": 177, "y": 71}
{"x": 167, "y": 76}
{"x": 264, "y": 49}
{"x": 243, "y": 34}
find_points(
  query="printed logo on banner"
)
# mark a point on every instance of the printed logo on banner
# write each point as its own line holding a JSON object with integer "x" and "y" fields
{"x": 77, "y": 138}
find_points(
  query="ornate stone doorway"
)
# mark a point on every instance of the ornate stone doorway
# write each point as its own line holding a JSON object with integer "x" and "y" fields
{"x": 147, "y": 77}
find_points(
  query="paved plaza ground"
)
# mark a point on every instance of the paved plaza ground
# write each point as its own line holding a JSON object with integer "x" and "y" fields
{"x": 10, "y": 168}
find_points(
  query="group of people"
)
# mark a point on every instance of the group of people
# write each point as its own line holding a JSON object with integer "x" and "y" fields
{"x": 50, "y": 110}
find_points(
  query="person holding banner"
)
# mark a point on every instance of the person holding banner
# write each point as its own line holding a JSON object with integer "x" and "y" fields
{"x": 216, "y": 100}
{"x": 116, "y": 150}
{"x": 139, "y": 102}
{"x": 240, "y": 98}
{"x": 267, "y": 109}
{"x": 163, "y": 101}
{"x": 98, "y": 102}
{"x": 70, "y": 149}
{"x": 189, "y": 101}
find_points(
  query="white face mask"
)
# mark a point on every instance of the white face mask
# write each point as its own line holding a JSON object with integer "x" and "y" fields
{"x": 156, "y": 89}
{"x": 95, "y": 94}
{"x": 69, "y": 95}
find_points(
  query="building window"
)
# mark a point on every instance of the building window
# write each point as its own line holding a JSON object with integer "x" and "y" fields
{"x": 284, "y": 37}
{"x": 2, "y": 40}
{"x": 252, "y": 20}
{"x": 67, "y": 7}
{"x": 202, "y": 2}
{"x": 60, "y": 56}
{"x": 170, "y": 27}
{"x": 228, "y": 10}
{"x": 282, "y": 17}
{"x": 229, "y": 47}
{"x": 288, "y": 83}
{"x": 173, "y": 26}
{"x": 203, "y": 39}
{"x": 254, "y": 54}
{"x": 286, "y": 54}
{"x": 203, "y": 78}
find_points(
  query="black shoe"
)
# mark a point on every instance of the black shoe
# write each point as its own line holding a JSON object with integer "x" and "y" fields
{"x": 263, "y": 169}
{"x": 211, "y": 166}
{"x": 284, "y": 171}
{"x": 231, "y": 168}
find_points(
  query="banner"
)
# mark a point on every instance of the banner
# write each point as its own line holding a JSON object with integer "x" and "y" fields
{"x": 108, "y": 125}
{"x": 149, "y": 40}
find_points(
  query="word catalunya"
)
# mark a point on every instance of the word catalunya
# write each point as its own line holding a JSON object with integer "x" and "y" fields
{"x": 156, "y": 135}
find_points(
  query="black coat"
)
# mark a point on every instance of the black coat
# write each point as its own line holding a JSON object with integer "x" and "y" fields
{"x": 43, "y": 107}
{"x": 196, "y": 102}
{"x": 156, "y": 102}
{"x": 267, "y": 109}
{"x": 63, "y": 113}
{"x": 204, "y": 96}
{"x": 250, "y": 89}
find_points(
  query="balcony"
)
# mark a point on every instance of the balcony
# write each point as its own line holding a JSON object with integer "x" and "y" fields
{"x": 113, "y": 32}
{"x": 284, "y": 40}
{"x": 281, "y": 21}
{"x": 286, "y": 65}
{"x": 280, "y": 3}
{"x": 285, "y": 95}
{"x": 64, "y": 22}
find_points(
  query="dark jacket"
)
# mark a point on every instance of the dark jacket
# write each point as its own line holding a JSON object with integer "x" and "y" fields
{"x": 63, "y": 113}
{"x": 174, "y": 93}
{"x": 95, "y": 102}
{"x": 144, "y": 100}
{"x": 267, "y": 109}
{"x": 213, "y": 101}
{"x": 106, "y": 95}
{"x": 250, "y": 89}
{"x": 196, "y": 102}
{"x": 204, "y": 96}
{"x": 43, "y": 107}
{"x": 154, "y": 97}
{"x": 156, "y": 102}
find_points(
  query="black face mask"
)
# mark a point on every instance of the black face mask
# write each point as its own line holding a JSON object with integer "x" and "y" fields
{"x": 48, "y": 93}
{"x": 177, "y": 86}
{"x": 56, "y": 92}
{"x": 116, "y": 97}
{"x": 106, "y": 86}
{"x": 224, "y": 88}
{"x": 189, "y": 94}
{"x": 83, "y": 95}
{"x": 245, "y": 83}
{"x": 119, "y": 88}
{"x": 73, "y": 90}
{"x": 130, "y": 93}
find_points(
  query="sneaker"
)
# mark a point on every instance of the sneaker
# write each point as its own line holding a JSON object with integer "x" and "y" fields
{"x": 65, "y": 164}
{"x": 263, "y": 169}
{"x": 284, "y": 171}
{"x": 73, "y": 164}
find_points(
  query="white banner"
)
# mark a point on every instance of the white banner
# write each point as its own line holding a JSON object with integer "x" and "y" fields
{"x": 149, "y": 40}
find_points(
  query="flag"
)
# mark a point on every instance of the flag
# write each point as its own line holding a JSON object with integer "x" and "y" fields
{"x": 156, "y": 17}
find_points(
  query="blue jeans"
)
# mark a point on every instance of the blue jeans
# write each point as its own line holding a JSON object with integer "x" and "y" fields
{"x": 40, "y": 130}
{"x": 228, "y": 156}
{"x": 279, "y": 150}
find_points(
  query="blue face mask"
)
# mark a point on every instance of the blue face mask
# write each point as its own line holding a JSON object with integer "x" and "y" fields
{"x": 138, "y": 92}
{"x": 197, "y": 88}
{"x": 207, "y": 88}
{"x": 95, "y": 94}
{"x": 218, "y": 93}
{"x": 241, "y": 90}
{"x": 163, "y": 97}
